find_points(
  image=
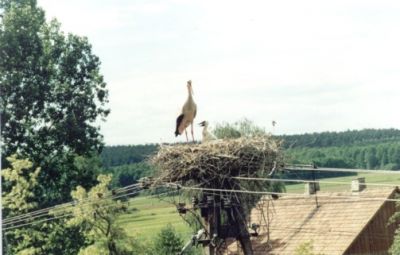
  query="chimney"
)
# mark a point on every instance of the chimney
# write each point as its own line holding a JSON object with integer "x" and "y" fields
{"x": 311, "y": 188}
{"x": 358, "y": 184}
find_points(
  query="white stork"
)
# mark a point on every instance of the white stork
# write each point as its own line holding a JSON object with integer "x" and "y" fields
{"x": 188, "y": 114}
{"x": 207, "y": 136}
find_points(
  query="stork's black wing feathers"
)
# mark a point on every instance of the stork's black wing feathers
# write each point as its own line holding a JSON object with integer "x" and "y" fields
{"x": 178, "y": 123}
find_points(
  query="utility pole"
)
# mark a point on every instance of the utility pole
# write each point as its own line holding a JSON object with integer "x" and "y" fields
{"x": 213, "y": 222}
{"x": 234, "y": 226}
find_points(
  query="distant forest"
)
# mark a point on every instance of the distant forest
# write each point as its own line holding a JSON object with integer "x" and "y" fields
{"x": 368, "y": 148}
{"x": 119, "y": 155}
{"x": 337, "y": 139}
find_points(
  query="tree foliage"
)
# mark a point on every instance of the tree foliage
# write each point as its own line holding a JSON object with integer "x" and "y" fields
{"x": 238, "y": 129}
{"x": 96, "y": 212}
{"x": 336, "y": 139}
{"x": 52, "y": 94}
{"x": 37, "y": 238}
{"x": 23, "y": 179}
{"x": 18, "y": 201}
{"x": 129, "y": 174}
{"x": 119, "y": 155}
{"x": 168, "y": 241}
{"x": 51, "y": 86}
{"x": 384, "y": 155}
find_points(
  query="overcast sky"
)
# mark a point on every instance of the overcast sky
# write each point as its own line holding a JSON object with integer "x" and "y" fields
{"x": 309, "y": 65}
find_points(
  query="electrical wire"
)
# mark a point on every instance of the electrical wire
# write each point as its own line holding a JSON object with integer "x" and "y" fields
{"x": 329, "y": 169}
{"x": 291, "y": 194}
{"x": 45, "y": 211}
{"x": 54, "y": 211}
{"x": 65, "y": 214}
{"x": 71, "y": 213}
{"x": 311, "y": 181}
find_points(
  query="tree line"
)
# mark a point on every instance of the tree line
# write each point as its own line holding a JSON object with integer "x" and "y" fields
{"x": 337, "y": 139}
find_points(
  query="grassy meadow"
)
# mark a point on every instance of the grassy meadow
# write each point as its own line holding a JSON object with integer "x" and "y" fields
{"x": 147, "y": 216}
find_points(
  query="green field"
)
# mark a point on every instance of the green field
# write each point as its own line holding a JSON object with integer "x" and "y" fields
{"x": 148, "y": 215}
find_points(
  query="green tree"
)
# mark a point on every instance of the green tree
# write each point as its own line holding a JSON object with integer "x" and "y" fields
{"x": 52, "y": 93}
{"x": 23, "y": 178}
{"x": 31, "y": 239}
{"x": 97, "y": 212}
{"x": 129, "y": 174}
{"x": 168, "y": 241}
{"x": 238, "y": 129}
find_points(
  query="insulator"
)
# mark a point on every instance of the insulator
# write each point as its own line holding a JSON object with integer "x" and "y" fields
{"x": 181, "y": 208}
{"x": 226, "y": 202}
{"x": 210, "y": 200}
{"x": 195, "y": 201}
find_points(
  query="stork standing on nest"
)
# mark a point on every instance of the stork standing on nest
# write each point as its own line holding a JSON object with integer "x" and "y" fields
{"x": 207, "y": 136}
{"x": 188, "y": 114}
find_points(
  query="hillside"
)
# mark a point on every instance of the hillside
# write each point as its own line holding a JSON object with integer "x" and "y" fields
{"x": 369, "y": 148}
{"x": 345, "y": 138}
{"x": 119, "y": 155}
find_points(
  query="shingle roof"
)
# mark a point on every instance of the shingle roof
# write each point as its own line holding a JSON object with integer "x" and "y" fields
{"x": 332, "y": 226}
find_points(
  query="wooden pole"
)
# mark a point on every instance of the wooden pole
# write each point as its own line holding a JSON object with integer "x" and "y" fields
{"x": 213, "y": 223}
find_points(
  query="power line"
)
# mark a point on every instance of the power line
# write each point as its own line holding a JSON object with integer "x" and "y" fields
{"x": 329, "y": 169}
{"x": 45, "y": 211}
{"x": 61, "y": 206}
{"x": 71, "y": 213}
{"x": 61, "y": 209}
{"x": 56, "y": 217}
{"x": 311, "y": 181}
{"x": 290, "y": 194}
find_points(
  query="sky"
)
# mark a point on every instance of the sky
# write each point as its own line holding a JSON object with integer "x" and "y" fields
{"x": 311, "y": 66}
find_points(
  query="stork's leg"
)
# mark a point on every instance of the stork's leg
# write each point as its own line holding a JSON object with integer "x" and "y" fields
{"x": 191, "y": 130}
{"x": 187, "y": 139}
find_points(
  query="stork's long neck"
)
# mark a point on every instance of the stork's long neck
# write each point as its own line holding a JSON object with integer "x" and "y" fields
{"x": 190, "y": 96}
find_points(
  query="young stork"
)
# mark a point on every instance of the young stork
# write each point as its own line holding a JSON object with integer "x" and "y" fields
{"x": 188, "y": 114}
{"x": 207, "y": 136}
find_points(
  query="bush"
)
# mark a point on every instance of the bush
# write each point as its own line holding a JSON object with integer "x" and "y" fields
{"x": 168, "y": 241}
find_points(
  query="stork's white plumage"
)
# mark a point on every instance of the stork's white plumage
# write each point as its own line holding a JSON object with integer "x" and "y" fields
{"x": 207, "y": 136}
{"x": 188, "y": 114}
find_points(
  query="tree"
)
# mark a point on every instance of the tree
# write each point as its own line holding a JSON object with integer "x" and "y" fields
{"x": 23, "y": 178}
{"x": 168, "y": 241}
{"x": 97, "y": 212}
{"x": 32, "y": 239}
{"x": 129, "y": 174}
{"x": 52, "y": 93}
{"x": 238, "y": 129}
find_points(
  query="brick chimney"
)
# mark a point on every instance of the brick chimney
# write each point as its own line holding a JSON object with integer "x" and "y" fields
{"x": 358, "y": 184}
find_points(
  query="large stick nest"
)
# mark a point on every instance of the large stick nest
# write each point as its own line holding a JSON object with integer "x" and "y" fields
{"x": 208, "y": 164}
{"x": 213, "y": 165}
